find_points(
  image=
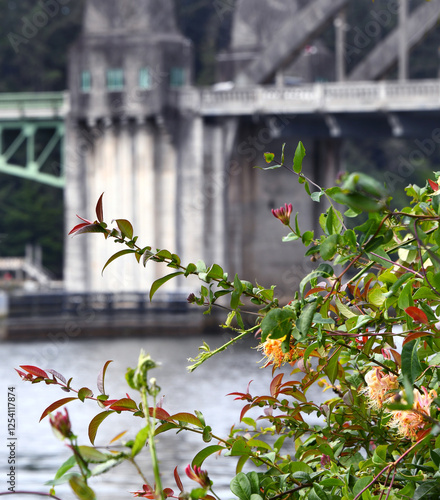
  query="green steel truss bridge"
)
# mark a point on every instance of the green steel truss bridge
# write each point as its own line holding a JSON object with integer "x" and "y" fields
{"x": 32, "y": 132}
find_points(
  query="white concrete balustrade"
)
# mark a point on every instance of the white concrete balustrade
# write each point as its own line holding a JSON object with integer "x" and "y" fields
{"x": 319, "y": 97}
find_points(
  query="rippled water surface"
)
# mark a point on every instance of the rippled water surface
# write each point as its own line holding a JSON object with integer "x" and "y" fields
{"x": 40, "y": 453}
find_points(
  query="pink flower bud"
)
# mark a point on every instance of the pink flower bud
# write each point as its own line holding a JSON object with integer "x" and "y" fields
{"x": 61, "y": 425}
{"x": 283, "y": 213}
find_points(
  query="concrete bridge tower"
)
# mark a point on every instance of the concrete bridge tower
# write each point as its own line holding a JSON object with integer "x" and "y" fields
{"x": 124, "y": 132}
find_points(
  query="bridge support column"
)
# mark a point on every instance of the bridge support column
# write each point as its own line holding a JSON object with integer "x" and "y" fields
{"x": 76, "y": 277}
{"x": 191, "y": 203}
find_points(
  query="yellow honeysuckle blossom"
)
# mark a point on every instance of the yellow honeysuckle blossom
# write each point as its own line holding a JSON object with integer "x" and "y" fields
{"x": 409, "y": 422}
{"x": 380, "y": 387}
{"x": 274, "y": 354}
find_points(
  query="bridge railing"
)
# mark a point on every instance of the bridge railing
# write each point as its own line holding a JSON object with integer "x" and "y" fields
{"x": 331, "y": 97}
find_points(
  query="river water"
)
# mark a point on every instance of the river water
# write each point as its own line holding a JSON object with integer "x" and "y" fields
{"x": 39, "y": 453}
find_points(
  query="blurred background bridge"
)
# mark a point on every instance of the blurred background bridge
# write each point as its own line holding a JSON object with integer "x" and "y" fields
{"x": 176, "y": 159}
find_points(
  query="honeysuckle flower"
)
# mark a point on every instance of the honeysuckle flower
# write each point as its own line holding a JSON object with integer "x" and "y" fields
{"x": 380, "y": 387}
{"x": 283, "y": 213}
{"x": 274, "y": 354}
{"x": 198, "y": 475}
{"x": 409, "y": 422}
{"x": 61, "y": 425}
{"x": 325, "y": 461}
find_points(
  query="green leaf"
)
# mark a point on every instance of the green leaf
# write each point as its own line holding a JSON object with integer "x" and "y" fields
{"x": 216, "y": 272}
{"x": 254, "y": 482}
{"x": 282, "y": 153}
{"x": 139, "y": 442}
{"x": 329, "y": 247}
{"x": 106, "y": 466}
{"x": 300, "y": 467}
{"x": 55, "y": 406}
{"x": 425, "y": 292}
{"x": 427, "y": 490}
{"x": 319, "y": 491}
{"x": 187, "y": 418}
{"x": 344, "y": 310}
{"x": 277, "y": 324}
{"x": 197, "y": 493}
{"x": 241, "y": 486}
{"x": 190, "y": 269}
{"x": 84, "y": 393}
{"x": 307, "y": 237}
{"x": 316, "y": 195}
{"x": 269, "y": 157}
{"x": 305, "y": 320}
{"x": 161, "y": 281}
{"x": 239, "y": 448}
{"x": 125, "y": 227}
{"x": 90, "y": 454}
{"x": 66, "y": 466}
{"x": 355, "y": 201}
{"x": 96, "y": 422}
{"x": 298, "y": 158}
{"x": 411, "y": 367}
{"x": 290, "y": 237}
{"x": 395, "y": 287}
{"x": 361, "y": 484}
{"x": 324, "y": 270}
{"x": 361, "y": 321}
{"x": 116, "y": 256}
{"x": 331, "y": 370}
{"x": 81, "y": 489}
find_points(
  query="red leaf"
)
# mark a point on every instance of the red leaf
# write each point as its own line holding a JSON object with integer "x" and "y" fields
{"x": 422, "y": 434}
{"x": 55, "y": 405}
{"x": 34, "y": 370}
{"x": 178, "y": 480}
{"x": 109, "y": 402}
{"x": 58, "y": 376}
{"x": 159, "y": 413}
{"x": 99, "y": 211}
{"x": 314, "y": 290}
{"x": 244, "y": 411}
{"x": 416, "y": 335}
{"x": 79, "y": 226}
{"x": 265, "y": 399}
{"x": 124, "y": 404}
{"x": 434, "y": 185}
{"x": 417, "y": 314}
{"x": 101, "y": 377}
{"x": 276, "y": 384}
{"x": 397, "y": 357}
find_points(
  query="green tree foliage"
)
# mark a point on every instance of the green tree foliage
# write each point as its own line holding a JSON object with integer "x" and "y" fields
{"x": 31, "y": 213}
{"x": 34, "y": 45}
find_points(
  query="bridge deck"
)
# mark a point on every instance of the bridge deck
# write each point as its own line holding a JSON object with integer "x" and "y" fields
{"x": 352, "y": 97}
{"x": 33, "y": 105}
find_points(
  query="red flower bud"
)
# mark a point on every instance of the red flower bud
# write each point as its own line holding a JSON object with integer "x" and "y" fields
{"x": 61, "y": 425}
{"x": 283, "y": 213}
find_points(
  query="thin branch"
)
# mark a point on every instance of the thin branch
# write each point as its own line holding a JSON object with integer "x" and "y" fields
{"x": 35, "y": 493}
